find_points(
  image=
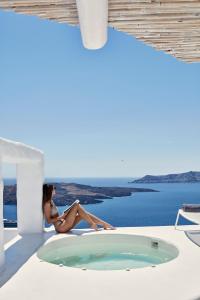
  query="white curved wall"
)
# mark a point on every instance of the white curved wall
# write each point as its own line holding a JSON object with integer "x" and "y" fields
{"x": 30, "y": 166}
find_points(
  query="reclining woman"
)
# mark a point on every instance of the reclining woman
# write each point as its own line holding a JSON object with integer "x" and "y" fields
{"x": 69, "y": 219}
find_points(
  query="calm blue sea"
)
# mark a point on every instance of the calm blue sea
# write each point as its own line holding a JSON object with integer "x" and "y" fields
{"x": 140, "y": 209}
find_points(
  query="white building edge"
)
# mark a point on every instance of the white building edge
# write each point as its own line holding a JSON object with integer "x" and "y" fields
{"x": 30, "y": 175}
{"x": 175, "y": 280}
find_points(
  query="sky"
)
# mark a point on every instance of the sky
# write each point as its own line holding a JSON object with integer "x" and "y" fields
{"x": 125, "y": 110}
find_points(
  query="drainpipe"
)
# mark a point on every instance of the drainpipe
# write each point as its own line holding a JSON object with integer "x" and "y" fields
{"x": 93, "y": 20}
{"x": 2, "y": 256}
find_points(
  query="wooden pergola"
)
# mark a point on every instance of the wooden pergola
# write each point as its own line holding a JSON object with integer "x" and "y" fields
{"x": 172, "y": 26}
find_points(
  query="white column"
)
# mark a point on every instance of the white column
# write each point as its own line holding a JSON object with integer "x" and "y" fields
{"x": 93, "y": 20}
{"x": 2, "y": 256}
{"x": 29, "y": 197}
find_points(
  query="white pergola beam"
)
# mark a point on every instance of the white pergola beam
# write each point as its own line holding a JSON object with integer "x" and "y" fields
{"x": 93, "y": 20}
{"x": 15, "y": 152}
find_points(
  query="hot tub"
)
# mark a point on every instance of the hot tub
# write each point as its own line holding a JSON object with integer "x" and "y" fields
{"x": 108, "y": 252}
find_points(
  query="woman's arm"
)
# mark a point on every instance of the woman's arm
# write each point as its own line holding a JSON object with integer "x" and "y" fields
{"x": 47, "y": 213}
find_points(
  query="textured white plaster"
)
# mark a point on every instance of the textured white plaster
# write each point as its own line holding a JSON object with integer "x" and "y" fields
{"x": 30, "y": 165}
{"x": 29, "y": 197}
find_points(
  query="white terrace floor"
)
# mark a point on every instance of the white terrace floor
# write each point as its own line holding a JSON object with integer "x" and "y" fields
{"x": 27, "y": 278}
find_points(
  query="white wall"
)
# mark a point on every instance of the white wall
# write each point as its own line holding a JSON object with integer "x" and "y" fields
{"x": 30, "y": 176}
{"x": 2, "y": 259}
{"x": 29, "y": 197}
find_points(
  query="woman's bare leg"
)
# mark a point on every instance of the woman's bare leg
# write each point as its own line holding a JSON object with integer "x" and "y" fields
{"x": 69, "y": 221}
{"x": 78, "y": 218}
{"x": 101, "y": 222}
{"x": 85, "y": 216}
{"x": 96, "y": 219}
{"x": 71, "y": 217}
{"x": 81, "y": 213}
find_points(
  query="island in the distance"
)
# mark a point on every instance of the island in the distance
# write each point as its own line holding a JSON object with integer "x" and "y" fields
{"x": 66, "y": 193}
{"x": 187, "y": 177}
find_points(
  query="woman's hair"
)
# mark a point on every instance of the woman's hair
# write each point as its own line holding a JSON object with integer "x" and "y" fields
{"x": 47, "y": 194}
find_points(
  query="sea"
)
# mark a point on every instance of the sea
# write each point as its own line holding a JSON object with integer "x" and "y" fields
{"x": 139, "y": 209}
